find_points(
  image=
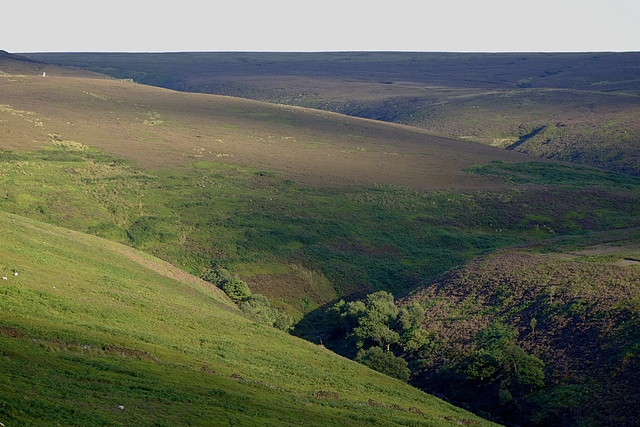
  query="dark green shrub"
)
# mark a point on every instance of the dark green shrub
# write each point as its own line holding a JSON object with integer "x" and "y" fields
{"x": 236, "y": 289}
{"x": 216, "y": 275}
{"x": 258, "y": 308}
{"x": 385, "y": 362}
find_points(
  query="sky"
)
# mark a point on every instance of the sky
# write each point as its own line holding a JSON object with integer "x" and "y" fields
{"x": 327, "y": 25}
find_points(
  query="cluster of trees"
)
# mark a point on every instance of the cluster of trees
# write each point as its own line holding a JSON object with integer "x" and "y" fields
{"x": 377, "y": 333}
{"x": 496, "y": 376}
{"x": 256, "y": 306}
{"x": 499, "y": 358}
{"x": 393, "y": 340}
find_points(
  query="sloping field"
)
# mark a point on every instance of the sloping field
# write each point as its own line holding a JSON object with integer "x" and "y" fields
{"x": 87, "y": 325}
{"x": 587, "y": 105}
{"x": 158, "y": 128}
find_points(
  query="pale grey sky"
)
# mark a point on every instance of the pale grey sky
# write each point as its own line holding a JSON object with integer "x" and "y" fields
{"x": 328, "y": 25}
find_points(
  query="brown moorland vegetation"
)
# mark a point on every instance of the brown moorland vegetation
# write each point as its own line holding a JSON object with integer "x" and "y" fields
{"x": 572, "y": 302}
{"x": 159, "y": 128}
{"x": 586, "y": 105}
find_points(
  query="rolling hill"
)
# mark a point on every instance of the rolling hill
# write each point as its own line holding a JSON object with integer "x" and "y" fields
{"x": 160, "y": 128}
{"x": 307, "y": 207}
{"x": 585, "y": 106}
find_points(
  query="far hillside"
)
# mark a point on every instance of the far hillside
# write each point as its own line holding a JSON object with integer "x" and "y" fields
{"x": 578, "y": 107}
{"x": 20, "y": 64}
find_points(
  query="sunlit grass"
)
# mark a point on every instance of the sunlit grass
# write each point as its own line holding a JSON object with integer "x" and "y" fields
{"x": 257, "y": 224}
{"x": 87, "y": 325}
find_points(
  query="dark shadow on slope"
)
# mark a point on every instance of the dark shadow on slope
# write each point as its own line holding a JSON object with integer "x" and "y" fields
{"x": 525, "y": 138}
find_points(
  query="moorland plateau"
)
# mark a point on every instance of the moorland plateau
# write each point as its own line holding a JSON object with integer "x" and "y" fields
{"x": 504, "y": 280}
{"x": 578, "y": 107}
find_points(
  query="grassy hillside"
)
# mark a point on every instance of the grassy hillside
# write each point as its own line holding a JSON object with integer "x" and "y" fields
{"x": 587, "y": 103}
{"x": 87, "y": 325}
{"x": 305, "y": 246}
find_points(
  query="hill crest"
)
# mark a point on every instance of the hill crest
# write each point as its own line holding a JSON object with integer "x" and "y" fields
{"x": 159, "y": 128}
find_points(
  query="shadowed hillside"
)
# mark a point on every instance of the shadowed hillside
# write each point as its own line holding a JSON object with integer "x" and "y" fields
{"x": 571, "y": 302}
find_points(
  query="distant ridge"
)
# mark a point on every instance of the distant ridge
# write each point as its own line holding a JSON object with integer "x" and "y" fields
{"x": 4, "y": 54}
{"x": 11, "y": 63}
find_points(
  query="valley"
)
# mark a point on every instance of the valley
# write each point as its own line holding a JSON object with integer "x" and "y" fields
{"x": 315, "y": 211}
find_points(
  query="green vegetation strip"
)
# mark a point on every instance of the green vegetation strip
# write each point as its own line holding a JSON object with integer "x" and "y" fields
{"x": 322, "y": 244}
{"x": 544, "y": 173}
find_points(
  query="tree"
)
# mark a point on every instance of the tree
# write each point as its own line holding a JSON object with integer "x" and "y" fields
{"x": 259, "y": 308}
{"x": 385, "y": 362}
{"x": 417, "y": 340}
{"x": 376, "y": 321}
{"x": 525, "y": 368}
{"x": 481, "y": 365}
{"x": 235, "y": 288}
{"x": 342, "y": 317}
{"x": 411, "y": 316}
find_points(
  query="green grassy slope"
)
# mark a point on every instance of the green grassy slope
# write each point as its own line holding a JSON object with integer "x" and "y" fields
{"x": 87, "y": 325}
{"x": 587, "y": 102}
{"x": 305, "y": 246}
